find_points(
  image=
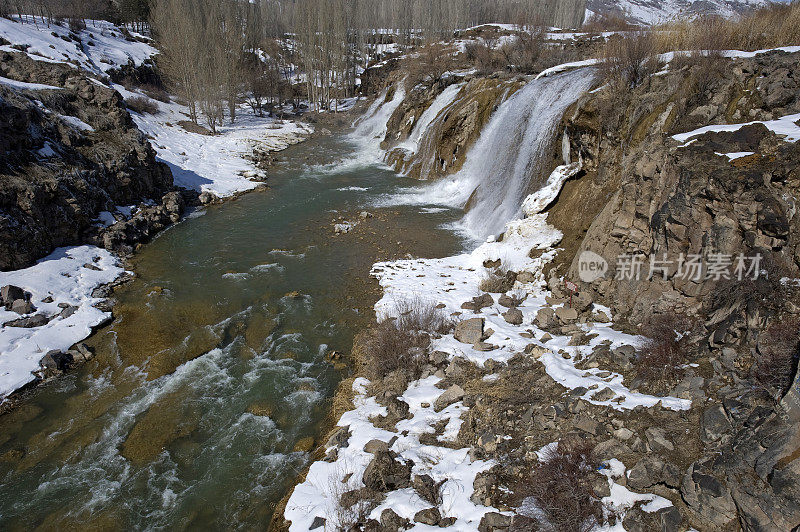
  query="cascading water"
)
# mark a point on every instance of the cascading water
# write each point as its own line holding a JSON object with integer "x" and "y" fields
{"x": 500, "y": 167}
{"x": 371, "y": 129}
{"x": 439, "y": 104}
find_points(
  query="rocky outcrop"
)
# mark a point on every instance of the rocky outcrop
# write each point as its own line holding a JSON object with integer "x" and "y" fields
{"x": 444, "y": 146}
{"x": 646, "y": 198}
{"x": 66, "y": 154}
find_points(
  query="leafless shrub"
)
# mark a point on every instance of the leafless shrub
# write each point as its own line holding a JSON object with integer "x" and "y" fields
{"x": 665, "y": 354}
{"x": 561, "y": 485}
{"x": 498, "y": 281}
{"x": 429, "y": 65}
{"x": 524, "y": 53}
{"x": 766, "y": 292}
{"x": 605, "y": 22}
{"x": 627, "y": 61}
{"x": 156, "y": 93}
{"x": 778, "y": 352}
{"x": 402, "y": 342}
{"x": 141, "y": 105}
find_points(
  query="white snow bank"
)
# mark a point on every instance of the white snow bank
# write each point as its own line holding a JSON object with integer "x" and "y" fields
{"x": 785, "y": 126}
{"x": 217, "y": 163}
{"x": 62, "y": 276}
{"x": 22, "y": 85}
{"x": 567, "y": 66}
{"x": 100, "y": 47}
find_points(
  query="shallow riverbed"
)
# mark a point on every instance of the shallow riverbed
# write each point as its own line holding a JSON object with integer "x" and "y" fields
{"x": 208, "y": 385}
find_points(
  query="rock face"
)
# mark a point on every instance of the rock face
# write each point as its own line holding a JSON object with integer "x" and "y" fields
{"x": 444, "y": 146}
{"x": 59, "y": 169}
{"x": 665, "y": 196}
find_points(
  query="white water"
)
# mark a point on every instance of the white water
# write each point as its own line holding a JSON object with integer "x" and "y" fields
{"x": 371, "y": 130}
{"x": 508, "y": 156}
{"x": 440, "y": 103}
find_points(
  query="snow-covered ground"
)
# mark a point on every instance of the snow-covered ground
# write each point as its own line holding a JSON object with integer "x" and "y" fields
{"x": 68, "y": 276}
{"x": 98, "y": 48}
{"x": 214, "y": 163}
{"x": 450, "y": 282}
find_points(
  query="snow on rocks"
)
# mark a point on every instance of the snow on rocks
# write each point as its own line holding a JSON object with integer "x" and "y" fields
{"x": 785, "y": 126}
{"x": 67, "y": 277}
{"x": 97, "y": 49}
{"x": 449, "y": 283}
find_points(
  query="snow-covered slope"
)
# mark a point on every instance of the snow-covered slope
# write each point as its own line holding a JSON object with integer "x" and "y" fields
{"x": 655, "y": 11}
{"x": 98, "y": 48}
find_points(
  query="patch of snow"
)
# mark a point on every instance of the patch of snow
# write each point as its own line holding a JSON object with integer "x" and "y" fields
{"x": 54, "y": 43}
{"x": 785, "y": 126}
{"x": 736, "y": 155}
{"x": 214, "y": 163}
{"x": 76, "y": 123}
{"x": 62, "y": 276}
{"x": 22, "y": 85}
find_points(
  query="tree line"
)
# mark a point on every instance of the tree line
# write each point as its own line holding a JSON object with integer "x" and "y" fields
{"x": 217, "y": 53}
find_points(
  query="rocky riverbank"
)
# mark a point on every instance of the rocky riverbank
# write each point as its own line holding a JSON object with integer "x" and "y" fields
{"x": 77, "y": 169}
{"x": 675, "y": 392}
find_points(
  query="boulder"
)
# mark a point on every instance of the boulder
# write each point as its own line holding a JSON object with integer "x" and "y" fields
{"x": 513, "y": 316}
{"x": 470, "y": 331}
{"x": 429, "y": 516}
{"x": 493, "y": 521}
{"x": 566, "y": 315}
{"x": 391, "y": 522}
{"x": 427, "y": 488}
{"x": 37, "y": 320}
{"x": 652, "y": 470}
{"x": 10, "y": 293}
{"x": 510, "y": 301}
{"x": 478, "y": 303}
{"x": 376, "y": 446}
{"x": 22, "y": 306}
{"x": 545, "y": 318}
{"x": 384, "y": 473}
{"x": 452, "y": 395}
{"x": 56, "y": 360}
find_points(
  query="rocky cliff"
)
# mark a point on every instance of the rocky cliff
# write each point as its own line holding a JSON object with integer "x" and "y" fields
{"x": 648, "y": 194}
{"x": 68, "y": 151}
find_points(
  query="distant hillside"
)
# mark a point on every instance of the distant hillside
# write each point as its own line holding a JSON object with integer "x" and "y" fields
{"x": 654, "y": 11}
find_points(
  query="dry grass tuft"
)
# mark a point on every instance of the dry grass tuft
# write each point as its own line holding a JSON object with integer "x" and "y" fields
{"x": 402, "y": 342}
{"x": 665, "y": 354}
{"x": 561, "y": 486}
{"x": 778, "y": 353}
{"x": 141, "y": 105}
{"x": 498, "y": 281}
{"x": 628, "y": 60}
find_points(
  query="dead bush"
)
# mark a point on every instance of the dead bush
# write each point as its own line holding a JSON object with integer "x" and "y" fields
{"x": 498, "y": 281}
{"x": 482, "y": 55}
{"x": 524, "y": 53}
{"x": 628, "y": 60}
{"x": 665, "y": 354}
{"x": 561, "y": 486}
{"x": 777, "y": 356}
{"x": 402, "y": 342}
{"x": 156, "y": 93}
{"x": 429, "y": 65}
{"x": 773, "y": 25}
{"x": 766, "y": 293}
{"x": 141, "y": 105}
{"x": 604, "y": 22}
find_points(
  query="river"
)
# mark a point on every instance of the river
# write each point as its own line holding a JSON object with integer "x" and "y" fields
{"x": 207, "y": 386}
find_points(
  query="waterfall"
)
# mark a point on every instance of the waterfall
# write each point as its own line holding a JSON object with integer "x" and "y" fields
{"x": 509, "y": 155}
{"x": 511, "y": 150}
{"x": 439, "y": 104}
{"x": 370, "y": 130}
